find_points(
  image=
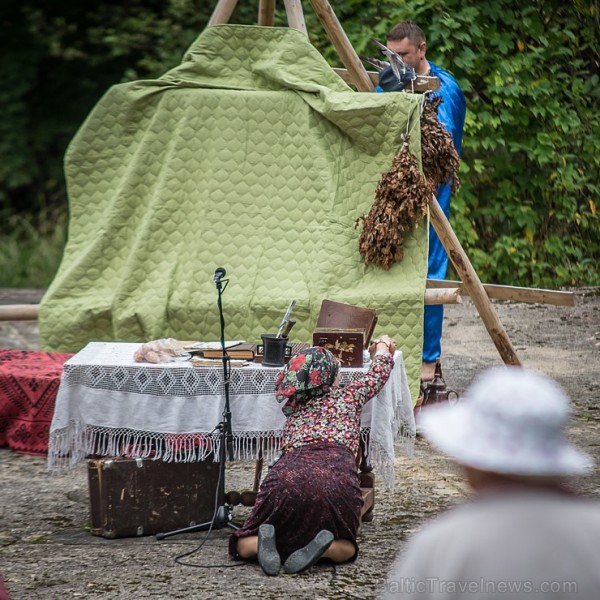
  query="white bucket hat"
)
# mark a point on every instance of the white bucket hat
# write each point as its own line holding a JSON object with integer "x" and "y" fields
{"x": 510, "y": 420}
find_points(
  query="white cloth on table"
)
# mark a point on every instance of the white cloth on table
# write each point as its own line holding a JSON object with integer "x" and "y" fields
{"x": 109, "y": 404}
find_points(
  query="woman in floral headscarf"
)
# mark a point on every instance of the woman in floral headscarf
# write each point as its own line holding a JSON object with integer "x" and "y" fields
{"x": 309, "y": 504}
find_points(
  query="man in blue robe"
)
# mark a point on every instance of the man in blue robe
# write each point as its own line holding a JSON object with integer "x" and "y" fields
{"x": 408, "y": 41}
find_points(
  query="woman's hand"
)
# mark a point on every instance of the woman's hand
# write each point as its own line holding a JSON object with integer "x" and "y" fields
{"x": 382, "y": 344}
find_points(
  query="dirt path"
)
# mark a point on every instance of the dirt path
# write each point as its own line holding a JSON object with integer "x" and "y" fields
{"x": 46, "y": 552}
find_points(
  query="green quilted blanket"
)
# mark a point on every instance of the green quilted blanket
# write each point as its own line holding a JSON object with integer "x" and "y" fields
{"x": 252, "y": 155}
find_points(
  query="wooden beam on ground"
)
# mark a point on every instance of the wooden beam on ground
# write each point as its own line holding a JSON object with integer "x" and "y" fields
{"x": 443, "y": 296}
{"x": 508, "y": 292}
{"x": 222, "y": 13}
{"x": 471, "y": 283}
{"x": 30, "y": 312}
{"x": 342, "y": 44}
{"x": 19, "y": 312}
{"x": 266, "y": 13}
{"x": 295, "y": 15}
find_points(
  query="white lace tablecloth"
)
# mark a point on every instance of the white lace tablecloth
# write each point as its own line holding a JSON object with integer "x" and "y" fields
{"x": 108, "y": 404}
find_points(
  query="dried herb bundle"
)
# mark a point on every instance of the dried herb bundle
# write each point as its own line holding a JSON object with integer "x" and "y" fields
{"x": 438, "y": 154}
{"x": 403, "y": 193}
{"x": 400, "y": 202}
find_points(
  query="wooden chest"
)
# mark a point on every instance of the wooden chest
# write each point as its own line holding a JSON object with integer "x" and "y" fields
{"x": 346, "y": 330}
{"x": 132, "y": 497}
{"x": 346, "y": 344}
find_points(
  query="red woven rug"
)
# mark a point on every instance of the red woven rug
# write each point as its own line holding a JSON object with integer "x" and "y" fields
{"x": 28, "y": 385}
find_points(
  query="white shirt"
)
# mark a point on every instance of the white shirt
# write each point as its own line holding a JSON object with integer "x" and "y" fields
{"x": 506, "y": 545}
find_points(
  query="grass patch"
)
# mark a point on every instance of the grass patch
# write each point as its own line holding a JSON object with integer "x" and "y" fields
{"x": 31, "y": 248}
{"x": 36, "y": 539}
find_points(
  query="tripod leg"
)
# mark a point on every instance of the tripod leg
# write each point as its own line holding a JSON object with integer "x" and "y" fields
{"x": 199, "y": 527}
{"x": 222, "y": 519}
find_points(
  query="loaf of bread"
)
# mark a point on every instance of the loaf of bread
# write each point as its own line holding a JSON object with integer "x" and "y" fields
{"x": 160, "y": 351}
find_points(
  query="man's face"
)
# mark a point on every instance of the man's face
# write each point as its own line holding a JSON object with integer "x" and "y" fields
{"x": 409, "y": 53}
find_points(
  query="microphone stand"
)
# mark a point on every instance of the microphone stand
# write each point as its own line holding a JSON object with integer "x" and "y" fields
{"x": 226, "y": 424}
{"x": 222, "y": 516}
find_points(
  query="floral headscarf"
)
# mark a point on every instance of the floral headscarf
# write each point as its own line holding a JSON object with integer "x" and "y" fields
{"x": 309, "y": 373}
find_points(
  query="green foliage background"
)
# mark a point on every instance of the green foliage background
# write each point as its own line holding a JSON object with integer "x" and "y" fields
{"x": 527, "y": 209}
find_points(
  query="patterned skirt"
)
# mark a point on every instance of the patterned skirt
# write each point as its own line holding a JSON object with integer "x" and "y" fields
{"x": 311, "y": 488}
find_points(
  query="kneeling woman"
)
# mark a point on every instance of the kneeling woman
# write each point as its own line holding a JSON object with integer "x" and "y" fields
{"x": 309, "y": 504}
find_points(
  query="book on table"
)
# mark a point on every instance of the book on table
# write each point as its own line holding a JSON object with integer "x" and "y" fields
{"x": 237, "y": 349}
{"x": 195, "y": 347}
{"x": 243, "y": 351}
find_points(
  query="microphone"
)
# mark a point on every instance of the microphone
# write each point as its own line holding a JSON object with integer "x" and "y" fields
{"x": 219, "y": 274}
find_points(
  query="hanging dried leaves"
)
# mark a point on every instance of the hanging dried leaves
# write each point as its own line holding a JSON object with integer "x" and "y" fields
{"x": 400, "y": 202}
{"x": 403, "y": 193}
{"x": 438, "y": 154}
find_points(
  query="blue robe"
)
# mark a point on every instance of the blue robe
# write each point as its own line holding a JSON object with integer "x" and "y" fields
{"x": 451, "y": 113}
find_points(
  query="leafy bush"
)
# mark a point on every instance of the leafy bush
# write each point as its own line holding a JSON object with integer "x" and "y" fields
{"x": 31, "y": 248}
{"x": 526, "y": 212}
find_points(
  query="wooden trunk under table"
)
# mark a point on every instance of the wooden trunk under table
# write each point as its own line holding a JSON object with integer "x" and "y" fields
{"x": 139, "y": 496}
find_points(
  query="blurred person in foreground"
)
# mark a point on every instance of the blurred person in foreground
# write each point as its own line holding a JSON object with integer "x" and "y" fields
{"x": 3, "y": 590}
{"x": 525, "y": 534}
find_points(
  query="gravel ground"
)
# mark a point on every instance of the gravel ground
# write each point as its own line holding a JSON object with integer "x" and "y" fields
{"x": 46, "y": 551}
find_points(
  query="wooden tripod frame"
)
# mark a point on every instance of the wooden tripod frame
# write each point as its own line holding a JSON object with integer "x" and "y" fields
{"x": 357, "y": 74}
{"x": 437, "y": 292}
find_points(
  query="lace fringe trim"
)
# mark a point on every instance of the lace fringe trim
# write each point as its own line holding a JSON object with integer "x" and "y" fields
{"x": 71, "y": 445}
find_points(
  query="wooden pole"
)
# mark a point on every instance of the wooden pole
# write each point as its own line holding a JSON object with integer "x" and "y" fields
{"x": 295, "y": 15}
{"x": 222, "y": 12}
{"x": 342, "y": 44}
{"x": 509, "y": 292}
{"x": 19, "y": 312}
{"x": 347, "y": 77}
{"x": 471, "y": 283}
{"x": 266, "y": 13}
